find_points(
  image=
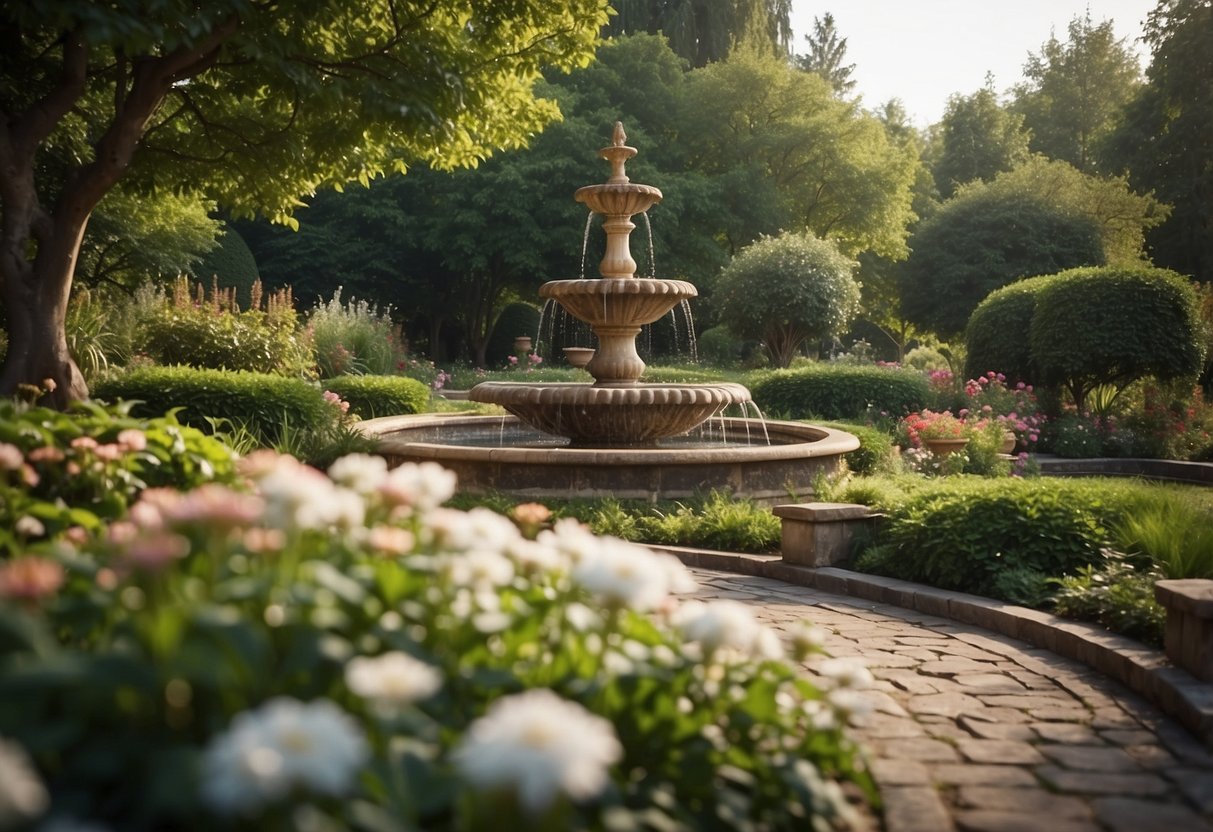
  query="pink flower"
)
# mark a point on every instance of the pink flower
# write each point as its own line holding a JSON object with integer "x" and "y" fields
{"x": 513, "y": 359}
{"x": 84, "y": 443}
{"x": 47, "y": 453}
{"x": 11, "y": 458}
{"x": 132, "y": 440}
{"x": 30, "y": 578}
{"x": 153, "y": 552}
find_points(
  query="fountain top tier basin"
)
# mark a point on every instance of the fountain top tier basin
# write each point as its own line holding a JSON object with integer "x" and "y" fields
{"x": 618, "y": 302}
{"x": 612, "y": 417}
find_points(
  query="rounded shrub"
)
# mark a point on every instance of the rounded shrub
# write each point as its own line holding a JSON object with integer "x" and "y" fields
{"x": 374, "y": 396}
{"x": 515, "y": 319}
{"x": 785, "y": 290}
{"x": 266, "y": 405}
{"x": 1112, "y": 326}
{"x": 997, "y": 335}
{"x": 829, "y": 391}
{"x": 231, "y": 264}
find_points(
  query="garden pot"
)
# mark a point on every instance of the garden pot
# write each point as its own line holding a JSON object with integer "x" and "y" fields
{"x": 1008, "y": 443}
{"x": 522, "y": 345}
{"x": 944, "y": 447}
{"x": 578, "y": 356}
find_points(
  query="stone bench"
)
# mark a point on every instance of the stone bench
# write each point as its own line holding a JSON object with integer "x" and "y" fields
{"x": 821, "y": 534}
{"x": 1189, "y": 635}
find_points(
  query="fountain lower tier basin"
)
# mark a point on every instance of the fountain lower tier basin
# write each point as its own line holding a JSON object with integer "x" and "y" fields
{"x": 498, "y": 453}
{"x": 624, "y": 301}
{"x": 626, "y": 416}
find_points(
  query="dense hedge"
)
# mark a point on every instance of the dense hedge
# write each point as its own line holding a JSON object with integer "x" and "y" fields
{"x": 840, "y": 392}
{"x": 231, "y": 264}
{"x": 1113, "y": 326}
{"x": 875, "y": 454}
{"x": 374, "y": 396}
{"x": 266, "y": 405}
{"x": 997, "y": 335}
{"x": 971, "y": 535}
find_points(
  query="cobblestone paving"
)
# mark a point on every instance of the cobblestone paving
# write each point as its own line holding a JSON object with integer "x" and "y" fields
{"x": 971, "y": 730}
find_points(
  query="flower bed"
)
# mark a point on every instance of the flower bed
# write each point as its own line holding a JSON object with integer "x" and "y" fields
{"x": 343, "y": 652}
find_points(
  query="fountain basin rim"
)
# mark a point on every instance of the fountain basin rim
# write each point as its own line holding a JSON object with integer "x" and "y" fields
{"x": 617, "y": 286}
{"x": 616, "y": 188}
{"x": 807, "y": 441}
{"x": 623, "y": 395}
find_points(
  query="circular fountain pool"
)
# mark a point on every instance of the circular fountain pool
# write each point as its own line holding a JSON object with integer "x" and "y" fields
{"x": 500, "y": 453}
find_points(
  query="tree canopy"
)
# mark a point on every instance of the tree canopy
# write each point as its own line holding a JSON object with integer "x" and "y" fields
{"x": 826, "y": 54}
{"x": 252, "y": 105}
{"x": 1074, "y": 92}
{"x": 1164, "y": 142}
{"x": 977, "y": 139}
{"x": 703, "y": 31}
{"x": 785, "y": 290}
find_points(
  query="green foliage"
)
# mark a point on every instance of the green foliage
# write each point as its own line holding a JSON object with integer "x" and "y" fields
{"x": 373, "y": 396}
{"x": 131, "y": 681}
{"x": 720, "y": 521}
{"x": 996, "y": 338}
{"x": 1109, "y": 326}
{"x": 875, "y": 454}
{"x": 1115, "y": 593}
{"x": 1163, "y": 135}
{"x": 718, "y": 346}
{"x": 86, "y": 466}
{"x": 1176, "y": 534}
{"x": 261, "y": 403}
{"x": 1075, "y": 92}
{"x": 701, "y": 34}
{"x": 978, "y": 138}
{"x": 982, "y": 240}
{"x": 214, "y": 334}
{"x": 515, "y": 320}
{"x": 840, "y": 392}
{"x": 1075, "y": 436}
{"x": 97, "y": 330}
{"x": 788, "y": 289}
{"x": 231, "y": 265}
{"x": 962, "y": 534}
{"x": 354, "y": 337}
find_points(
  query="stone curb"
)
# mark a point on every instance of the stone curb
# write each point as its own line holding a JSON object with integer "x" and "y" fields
{"x": 1144, "y": 670}
{"x": 1163, "y": 470}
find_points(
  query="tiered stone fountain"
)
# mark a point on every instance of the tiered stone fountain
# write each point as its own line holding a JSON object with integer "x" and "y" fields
{"x": 616, "y": 411}
{"x": 621, "y": 437}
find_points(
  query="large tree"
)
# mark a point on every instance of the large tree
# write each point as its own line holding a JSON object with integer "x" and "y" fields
{"x": 252, "y": 104}
{"x": 1166, "y": 142}
{"x": 703, "y": 31}
{"x": 977, "y": 139}
{"x": 1074, "y": 92}
{"x": 826, "y": 54}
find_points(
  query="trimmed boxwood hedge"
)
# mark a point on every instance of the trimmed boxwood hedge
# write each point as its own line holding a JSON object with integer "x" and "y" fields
{"x": 263, "y": 404}
{"x": 839, "y": 391}
{"x": 997, "y": 335}
{"x": 374, "y": 396}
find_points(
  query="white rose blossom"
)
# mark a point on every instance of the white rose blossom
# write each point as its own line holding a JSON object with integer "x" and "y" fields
{"x": 363, "y": 473}
{"x": 728, "y": 625}
{"x": 539, "y": 746}
{"x": 22, "y": 794}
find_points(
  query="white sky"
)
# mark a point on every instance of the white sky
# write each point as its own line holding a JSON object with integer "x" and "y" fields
{"x": 922, "y": 51}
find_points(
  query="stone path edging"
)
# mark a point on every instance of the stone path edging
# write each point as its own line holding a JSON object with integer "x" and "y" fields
{"x": 1143, "y": 670}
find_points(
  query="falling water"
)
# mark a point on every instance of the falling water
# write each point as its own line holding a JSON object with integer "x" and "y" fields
{"x": 692, "y": 345}
{"x": 762, "y": 420}
{"x": 545, "y": 315}
{"x": 652, "y": 259}
{"x": 585, "y": 242}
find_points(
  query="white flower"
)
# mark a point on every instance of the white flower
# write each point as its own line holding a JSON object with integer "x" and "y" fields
{"x": 846, "y": 672}
{"x": 849, "y": 702}
{"x": 360, "y": 472}
{"x": 29, "y": 526}
{"x": 807, "y": 638}
{"x": 730, "y": 625}
{"x": 421, "y": 486}
{"x": 282, "y": 745}
{"x": 571, "y": 539}
{"x": 392, "y": 679}
{"x": 624, "y": 575}
{"x": 477, "y": 569}
{"x": 22, "y": 795}
{"x": 539, "y": 746}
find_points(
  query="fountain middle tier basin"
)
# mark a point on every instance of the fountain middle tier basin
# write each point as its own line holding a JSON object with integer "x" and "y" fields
{"x": 498, "y": 453}
{"x": 609, "y": 417}
{"x": 620, "y": 301}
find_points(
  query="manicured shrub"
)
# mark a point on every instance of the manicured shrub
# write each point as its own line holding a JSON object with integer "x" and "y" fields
{"x": 840, "y": 392}
{"x": 515, "y": 320}
{"x": 373, "y": 396}
{"x": 720, "y": 347}
{"x": 785, "y": 290}
{"x": 962, "y": 534}
{"x": 231, "y": 265}
{"x": 996, "y": 338}
{"x": 266, "y": 405}
{"x": 354, "y": 337}
{"x": 1096, "y": 327}
{"x": 84, "y": 467}
{"x": 212, "y": 332}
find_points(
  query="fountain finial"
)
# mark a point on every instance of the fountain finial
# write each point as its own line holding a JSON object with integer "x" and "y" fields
{"x": 619, "y": 138}
{"x": 617, "y": 154}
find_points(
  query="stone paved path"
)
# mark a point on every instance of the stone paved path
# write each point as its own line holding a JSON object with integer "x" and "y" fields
{"x": 975, "y": 731}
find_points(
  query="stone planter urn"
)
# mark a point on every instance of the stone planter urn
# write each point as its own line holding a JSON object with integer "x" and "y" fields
{"x": 578, "y": 356}
{"x": 522, "y": 345}
{"x": 943, "y": 448}
{"x": 1008, "y": 443}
